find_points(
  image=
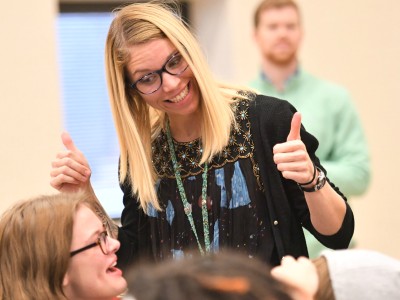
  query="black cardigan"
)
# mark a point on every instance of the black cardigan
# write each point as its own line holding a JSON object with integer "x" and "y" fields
{"x": 288, "y": 211}
{"x": 271, "y": 120}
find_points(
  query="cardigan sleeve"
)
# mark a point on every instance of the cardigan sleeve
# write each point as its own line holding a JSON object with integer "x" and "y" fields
{"x": 134, "y": 232}
{"x": 274, "y": 121}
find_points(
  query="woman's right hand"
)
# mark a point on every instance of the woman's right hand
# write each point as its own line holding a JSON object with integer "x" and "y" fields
{"x": 70, "y": 170}
{"x": 300, "y": 274}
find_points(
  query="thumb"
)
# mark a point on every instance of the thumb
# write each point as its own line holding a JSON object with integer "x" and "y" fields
{"x": 295, "y": 126}
{"x": 68, "y": 143}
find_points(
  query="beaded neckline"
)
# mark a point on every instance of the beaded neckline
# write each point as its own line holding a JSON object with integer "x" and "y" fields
{"x": 189, "y": 154}
{"x": 194, "y": 141}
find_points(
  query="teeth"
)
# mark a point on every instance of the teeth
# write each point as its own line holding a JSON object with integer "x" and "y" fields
{"x": 181, "y": 95}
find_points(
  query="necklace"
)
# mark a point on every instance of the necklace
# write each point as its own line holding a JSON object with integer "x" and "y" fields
{"x": 186, "y": 205}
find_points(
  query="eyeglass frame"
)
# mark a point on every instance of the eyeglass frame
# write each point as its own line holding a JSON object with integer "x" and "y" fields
{"x": 159, "y": 73}
{"x": 97, "y": 243}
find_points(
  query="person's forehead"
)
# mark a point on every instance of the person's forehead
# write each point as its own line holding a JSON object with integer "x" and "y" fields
{"x": 86, "y": 222}
{"x": 287, "y": 12}
{"x": 149, "y": 55}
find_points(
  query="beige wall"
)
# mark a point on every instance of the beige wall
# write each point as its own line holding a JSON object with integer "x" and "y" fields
{"x": 30, "y": 107}
{"x": 355, "y": 43}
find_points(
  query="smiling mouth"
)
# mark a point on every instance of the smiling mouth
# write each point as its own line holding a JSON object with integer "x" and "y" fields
{"x": 113, "y": 268}
{"x": 181, "y": 95}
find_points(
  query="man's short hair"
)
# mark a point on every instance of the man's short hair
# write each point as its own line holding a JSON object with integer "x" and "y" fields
{"x": 268, "y": 4}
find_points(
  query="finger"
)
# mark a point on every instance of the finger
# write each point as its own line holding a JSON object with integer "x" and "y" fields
{"x": 289, "y": 146}
{"x": 298, "y": 177}
{"x": 71, "y": 167}
{"x": 287, "y": 259}
{"x": 298, "y": 166}
{"x": 295, "y": 156}
{"x": 59, "y": 181}
{"x": 295, "y": 126}
{"x": 283, "y": 274}
{"x": 73, "y": 152}
{"x": 64, "y": 170}
{"x": 68, "y": 142}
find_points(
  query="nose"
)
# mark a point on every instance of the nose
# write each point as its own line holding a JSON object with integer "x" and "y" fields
{"x": 282, "y": 31}
{"x": 113, "y": 244}
{"x": 169, "y": 82}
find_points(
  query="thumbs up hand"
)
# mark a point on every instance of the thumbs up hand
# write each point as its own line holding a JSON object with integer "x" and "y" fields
{"x": 291, "y": 157}
{"x": 70, "y": 170}
{"x": 295, "y": 127}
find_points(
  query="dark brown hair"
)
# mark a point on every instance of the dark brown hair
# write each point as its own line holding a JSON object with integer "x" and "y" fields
{"x": 217, "y": 276}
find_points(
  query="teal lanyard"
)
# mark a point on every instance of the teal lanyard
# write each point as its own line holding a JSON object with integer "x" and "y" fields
{"x": 186, "y": 205}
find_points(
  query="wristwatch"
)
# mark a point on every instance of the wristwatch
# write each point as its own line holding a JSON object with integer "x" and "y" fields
{"x": 321, "y": 180}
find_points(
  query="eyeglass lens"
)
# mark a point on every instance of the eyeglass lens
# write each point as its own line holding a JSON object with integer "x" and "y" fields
{"x": 103, "y": 242}
{"x": 151, "y": 82}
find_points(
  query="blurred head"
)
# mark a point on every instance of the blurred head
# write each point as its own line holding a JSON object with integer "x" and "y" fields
{"x": 277, "y": 30}
{"x": 36, "y": 238}
{"x": 218, "y": 276}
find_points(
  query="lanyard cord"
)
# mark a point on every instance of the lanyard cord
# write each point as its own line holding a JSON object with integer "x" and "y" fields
{"x": 186, "y": 205}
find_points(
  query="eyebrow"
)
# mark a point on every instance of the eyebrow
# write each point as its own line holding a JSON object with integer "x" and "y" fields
{"x": 148, "y": 71}
{"x": 95, "y": 234}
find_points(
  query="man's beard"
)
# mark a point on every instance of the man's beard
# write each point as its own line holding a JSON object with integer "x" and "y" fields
{"x": 282, "y": 59}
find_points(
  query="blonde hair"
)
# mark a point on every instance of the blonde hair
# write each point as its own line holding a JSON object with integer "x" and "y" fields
{"x": 136, "y": 123}
{"x": 35, "y": 241}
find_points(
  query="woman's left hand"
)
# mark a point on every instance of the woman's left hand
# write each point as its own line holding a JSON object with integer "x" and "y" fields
{"x": 291, "y": 157}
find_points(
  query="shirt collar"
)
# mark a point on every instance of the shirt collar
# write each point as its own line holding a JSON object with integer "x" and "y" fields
{"x": 288, "y": 81}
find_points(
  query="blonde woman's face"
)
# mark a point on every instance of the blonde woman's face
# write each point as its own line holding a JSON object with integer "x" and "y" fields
{"x": 178, "y": 94}
{"x": 91, "y": 273}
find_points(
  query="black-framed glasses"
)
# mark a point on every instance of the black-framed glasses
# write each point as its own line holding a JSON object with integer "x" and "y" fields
{"x": 150, "y": 83}
{"x": 101, "y": 241}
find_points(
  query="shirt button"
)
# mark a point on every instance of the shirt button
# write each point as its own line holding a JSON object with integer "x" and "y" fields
{"x": 275, "y": 222}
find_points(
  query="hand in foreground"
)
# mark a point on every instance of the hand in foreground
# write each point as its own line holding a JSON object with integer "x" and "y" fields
{"x": 70, "y": 170}
{"x": 291, "y": 157}
{"x": 299, "y": 274}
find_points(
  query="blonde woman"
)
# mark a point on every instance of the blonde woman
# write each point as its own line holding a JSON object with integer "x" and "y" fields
{"x": 56, "y": 247}
{"x": 203, "y": 165}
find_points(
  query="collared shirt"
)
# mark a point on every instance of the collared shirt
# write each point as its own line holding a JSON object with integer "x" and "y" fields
{"x": 330, "y": 115}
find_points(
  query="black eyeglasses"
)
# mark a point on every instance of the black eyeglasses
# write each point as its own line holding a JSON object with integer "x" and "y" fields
{"x": 150, "y": 83}
{"x": 101, "y": 241}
